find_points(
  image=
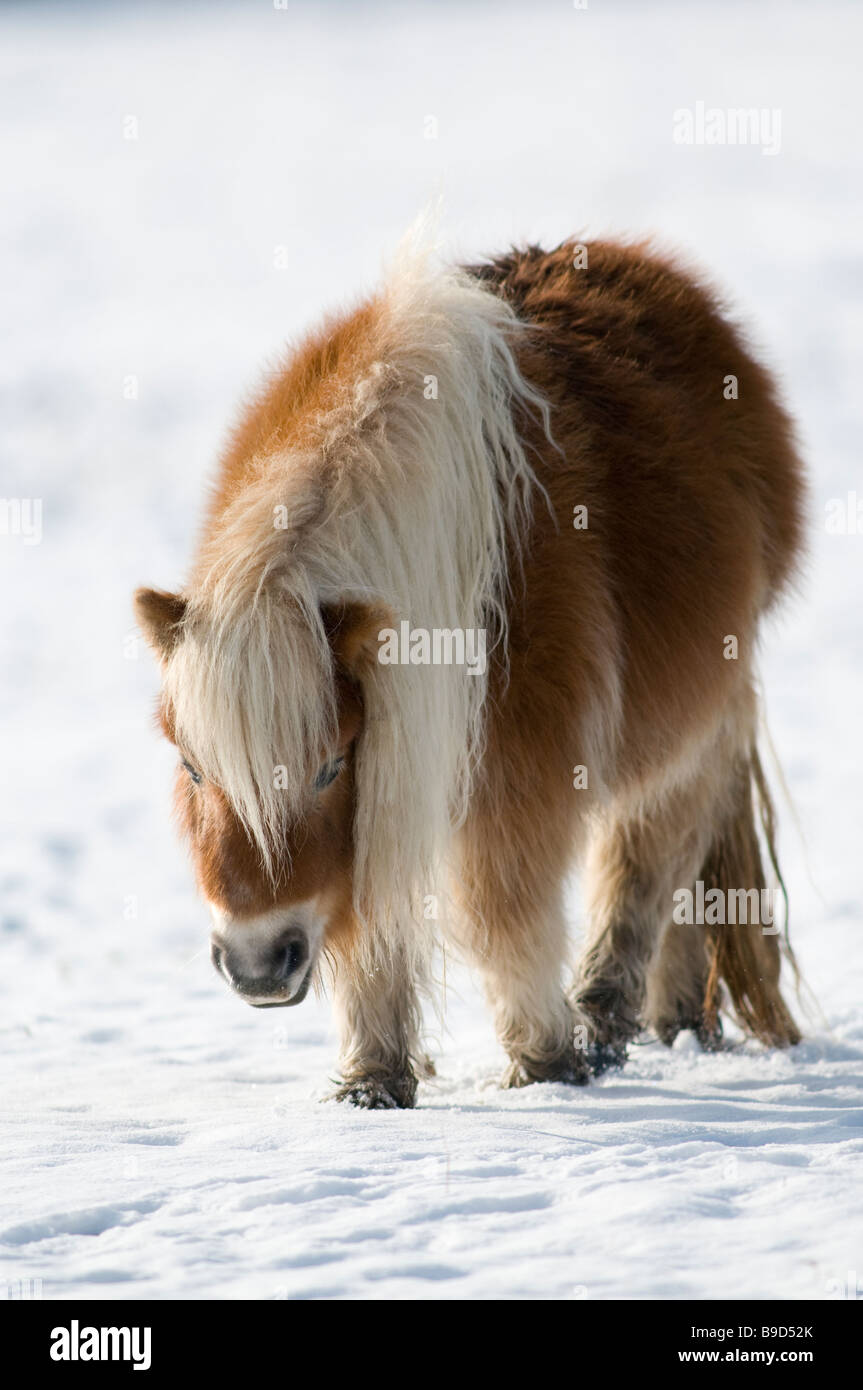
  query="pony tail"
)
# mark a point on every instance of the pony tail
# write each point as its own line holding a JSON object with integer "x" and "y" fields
{"x": 741, "y": 955}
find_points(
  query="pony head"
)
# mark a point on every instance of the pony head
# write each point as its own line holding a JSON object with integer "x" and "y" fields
{"x": 270, "y": 828}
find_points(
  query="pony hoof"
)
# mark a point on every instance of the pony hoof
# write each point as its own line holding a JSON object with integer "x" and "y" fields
{"x": 576, "y": 1075}
{"x": 709, "y": 1035}
{"x": 569, "y": 1071}
{"x": 515, "y": 1077}
{"x": 602, "y": 1057}
{"x": 372, "y": 1094}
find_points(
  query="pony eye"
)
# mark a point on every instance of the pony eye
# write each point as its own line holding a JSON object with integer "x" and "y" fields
{"x": 192, "y": 771}
{"x": 328, "y": 773}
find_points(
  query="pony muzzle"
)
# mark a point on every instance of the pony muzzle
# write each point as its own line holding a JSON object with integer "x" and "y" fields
{"x": 269, "y": 969}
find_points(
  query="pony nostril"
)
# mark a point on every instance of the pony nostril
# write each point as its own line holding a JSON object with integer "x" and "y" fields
{"x": 216, "y": 956}
{"x": 296, "y": 954}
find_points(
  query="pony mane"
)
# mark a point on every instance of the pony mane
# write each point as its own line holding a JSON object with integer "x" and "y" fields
{"x": 405, "y": 490}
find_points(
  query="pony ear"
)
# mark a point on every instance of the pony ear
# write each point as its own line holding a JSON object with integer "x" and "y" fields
{"x": 353, "y": 628}
{"x": 160, "y": 616}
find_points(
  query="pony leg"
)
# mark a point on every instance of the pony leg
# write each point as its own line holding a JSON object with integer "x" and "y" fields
{"x": 521, "y": 962}
{"x": 676, "y": 988}
{"x": 512, "y": 929}
{"x": 380, "y": 1019}
{"x": 683, "y": 991}
{"x": 634, "y": 865}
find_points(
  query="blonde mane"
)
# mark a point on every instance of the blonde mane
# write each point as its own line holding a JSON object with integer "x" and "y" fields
{"x": 412, "y": 487}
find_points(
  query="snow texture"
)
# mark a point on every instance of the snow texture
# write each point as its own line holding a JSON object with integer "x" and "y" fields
{"x": 158, "y": 1138}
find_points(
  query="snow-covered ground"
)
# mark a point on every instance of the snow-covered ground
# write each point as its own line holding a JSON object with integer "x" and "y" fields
{"x": 158, "y": 1138}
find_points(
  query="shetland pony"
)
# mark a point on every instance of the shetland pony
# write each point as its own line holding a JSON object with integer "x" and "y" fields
{"x": 572, "y": 455}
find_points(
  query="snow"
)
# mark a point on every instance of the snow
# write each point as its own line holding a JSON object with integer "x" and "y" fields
{"x": 158, "y": 1138}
